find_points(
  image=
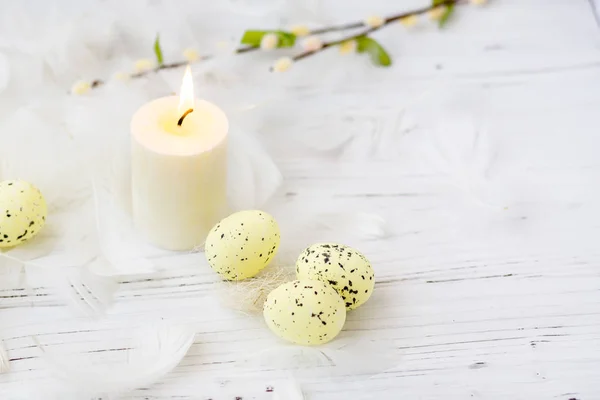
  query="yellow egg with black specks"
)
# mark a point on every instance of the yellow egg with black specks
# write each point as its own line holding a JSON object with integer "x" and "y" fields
{"x": 305, "y": 312}
{"x": 23, "y": 212}
{"x": 346, "y": 269}
{"x": 241, "y": 245}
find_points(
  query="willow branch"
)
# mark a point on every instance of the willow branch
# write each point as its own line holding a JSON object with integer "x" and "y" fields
{"x": 246, "y": 49}
{"x": 98, "y": 82}
{"x": 336, "y": 28}
{"x": 141, "y": 74}
{"x": 370, "y": 30}
{"x": 344, "y": 27}
{"x": 360, "y": 24}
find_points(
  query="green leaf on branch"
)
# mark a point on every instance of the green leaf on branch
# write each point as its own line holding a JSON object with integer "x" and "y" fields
{"x": 158, "y": 51}
{"x": 446, "y": 15}
{"x": 378, "y": 54}
{"x": 253, "y": 38}
{"x": 286, "y": 39}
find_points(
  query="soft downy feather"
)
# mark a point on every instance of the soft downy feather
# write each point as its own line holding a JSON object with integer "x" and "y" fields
{"x": 107, "y": 162}
{"x": 121, "y": 250}
{"x": 459, "y": 143}
{"x": 355, "y": 131}
{"x": 64, "y": 248}
{"x": 4, "y": 72}
{"x": 63, "y": 263}
{"x": 155, "y": 353}
{"x": 4, "y": 360}
{"x": 479, "y": 161}
{"x": 253, "y": 177}
{"x": 305, "y": 228}
{"x": 81, "y": 289}
{"x": 90, "y": 293}
{"x": 367, "y": 226}
{"x": 288, "y": 390}
{"x": 345, "y": 356}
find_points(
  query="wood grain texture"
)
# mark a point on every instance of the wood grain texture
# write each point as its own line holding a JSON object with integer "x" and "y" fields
{"x": 479, "y": 150}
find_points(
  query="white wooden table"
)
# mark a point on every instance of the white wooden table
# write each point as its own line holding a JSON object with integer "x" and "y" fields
{"x": 479, "y": 150}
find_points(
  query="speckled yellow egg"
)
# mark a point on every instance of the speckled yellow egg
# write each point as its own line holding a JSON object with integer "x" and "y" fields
{"x": 22, "y": 212}
{"x": 305, "y": 312}
{"x": 241, "y": 245}
{"x": 347, "y": 270}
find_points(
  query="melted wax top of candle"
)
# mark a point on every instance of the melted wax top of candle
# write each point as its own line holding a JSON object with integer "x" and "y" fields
{"x": 154, "y": 126}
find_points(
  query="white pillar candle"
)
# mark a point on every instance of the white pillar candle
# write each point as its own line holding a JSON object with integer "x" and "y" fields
{"x": 178, "y": 171}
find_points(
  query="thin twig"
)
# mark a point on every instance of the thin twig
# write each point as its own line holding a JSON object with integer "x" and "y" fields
{"x": 344, "y": 27}
{"x": 246, "y": 49}
{"x": 161, "y": 67}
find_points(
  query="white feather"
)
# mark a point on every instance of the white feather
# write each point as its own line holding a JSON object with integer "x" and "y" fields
{"x": 107, "y": 162}
{"x": 450, "y": 119}
{"x": 355, "y": 132}
{"x": 66, "y": 240}
{"x": 90, "y": 293}
{"x": 12, "y": 272}
{"x": 35, "y": 148}
{"x": 290, "y": 390}
{"x": 66, "y": 244}
{"x": 121, "y": 248}
{"x": 362, "y": 225}
{"x": 4, "y": 72}
{"x": 305, "y": 225}
{"x": 154, "y": 354}
{"x": 4, "y": 360}
{"x": 85, "y": 291}
{"x": 253, "y": 177}
{"x": 344, "y": 356}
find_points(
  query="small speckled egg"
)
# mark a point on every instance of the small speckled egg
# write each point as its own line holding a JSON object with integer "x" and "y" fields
{"x": 22, "y": 212}
{"x": 305, "y": 312}
{"x": 241, "y": 245}
{"x": 344, "y": 268}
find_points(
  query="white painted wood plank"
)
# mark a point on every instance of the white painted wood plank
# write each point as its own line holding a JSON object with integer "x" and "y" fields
{"x": 488, "y": 286}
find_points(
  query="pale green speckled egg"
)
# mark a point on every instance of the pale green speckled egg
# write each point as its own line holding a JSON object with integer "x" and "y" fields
{"x": 242, "y": 244}
{"x": 347, "y": 270}
{"x": 22, "y": 212}
{"x": 305, "y": 312}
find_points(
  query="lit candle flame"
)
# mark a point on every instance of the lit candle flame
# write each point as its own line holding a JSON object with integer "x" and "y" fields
{"x": 186, "y": 96}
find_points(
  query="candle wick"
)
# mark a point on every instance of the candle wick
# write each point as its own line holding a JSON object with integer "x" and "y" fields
{"x": 183, "y": 116}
